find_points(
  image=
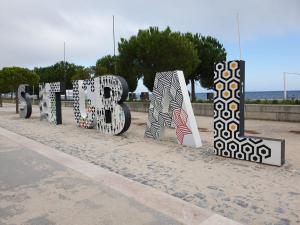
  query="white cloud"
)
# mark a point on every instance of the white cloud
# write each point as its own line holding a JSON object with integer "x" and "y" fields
{"x": 32, "y": 32}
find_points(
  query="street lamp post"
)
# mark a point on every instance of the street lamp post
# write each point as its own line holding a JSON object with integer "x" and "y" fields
{"x": 114, "y": 40}
{"x": 65, "y": 77}
{"x": 284, "y": 86}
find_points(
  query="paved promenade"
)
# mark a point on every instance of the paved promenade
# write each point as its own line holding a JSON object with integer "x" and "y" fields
{"x": 39, "y": 188}
{"x": 247, "y": 192}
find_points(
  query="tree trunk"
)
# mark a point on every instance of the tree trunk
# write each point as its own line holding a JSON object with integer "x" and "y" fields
{"x": 17, "y": 103}
{"x": 193, "y": 90}
{"x": 66, "y": 95}
{"x": 1, "y": 100}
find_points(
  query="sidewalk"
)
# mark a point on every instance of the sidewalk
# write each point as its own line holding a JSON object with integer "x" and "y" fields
{"x": 42, "y": 186}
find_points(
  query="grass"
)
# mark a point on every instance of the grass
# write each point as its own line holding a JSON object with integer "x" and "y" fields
{"x": 274, "y": 102}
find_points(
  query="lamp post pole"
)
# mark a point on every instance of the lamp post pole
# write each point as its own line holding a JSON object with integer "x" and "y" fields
{"x": 284, "y": 86}
{"x": 65, "y": 77}
{"x": 115, "y": 66}
{"x": 239, "y": 34}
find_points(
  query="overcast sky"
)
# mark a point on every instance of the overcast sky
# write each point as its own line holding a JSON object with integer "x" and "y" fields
{"x": 32, "y": 32}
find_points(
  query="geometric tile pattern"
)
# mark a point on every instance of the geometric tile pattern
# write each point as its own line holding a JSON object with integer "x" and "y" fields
{"x": 98, "y": 103}
{"x": 84, "y": 111}
{"x": 24, "y": 98}
{"x": 229, "y": 139}
{"x": 170, "y": 106}
{"x": 50, "y": 102}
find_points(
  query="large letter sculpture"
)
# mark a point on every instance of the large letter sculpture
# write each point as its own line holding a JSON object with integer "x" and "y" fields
{"x": 50, "y": 102}
{"x": 229, "y": 139}
{"x": 25, "y": 107}
{"x": 171, "y": 106}
{"x": 105, "y": 108}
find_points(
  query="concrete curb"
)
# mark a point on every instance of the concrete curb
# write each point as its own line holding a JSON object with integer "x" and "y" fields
{"x": 171, "y": 206}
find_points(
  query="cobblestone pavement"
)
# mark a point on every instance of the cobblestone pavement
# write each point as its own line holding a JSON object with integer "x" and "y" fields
{"x": 247, "y": 192}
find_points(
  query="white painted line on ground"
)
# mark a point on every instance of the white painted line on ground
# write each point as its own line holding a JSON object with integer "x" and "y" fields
{"x": 171, "y": 206}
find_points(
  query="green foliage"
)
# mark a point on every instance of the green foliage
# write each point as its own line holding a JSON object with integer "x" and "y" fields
{"x": 143, "y": 55}
{"x": 203, "y": 101}
{"x": 152, "y": 51}
{"x": 4, "y": 88}
{"x": 274, "y": 102}
{"x": 12, "y": 77}
{"x": 59, "y": 72}
{"x": 262, "y": 102}
{"x": 106, "y": 65}
{"x": 128, "y": 62}
{"x": 82, "y": 74}
{"x": 210, "y": 51}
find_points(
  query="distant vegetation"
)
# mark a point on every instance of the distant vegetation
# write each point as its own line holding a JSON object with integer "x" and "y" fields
{"x": 142, "y": 55}
{"x": 64, "y": 72}
{"x": 12, "y": 77}
{"x": 275, "y": 102}
{"x": 263, "y": 101}
{"x": 146, "y": 53}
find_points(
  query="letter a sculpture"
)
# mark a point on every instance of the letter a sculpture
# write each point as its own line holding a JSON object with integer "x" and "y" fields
{"x": 171, "y": 106}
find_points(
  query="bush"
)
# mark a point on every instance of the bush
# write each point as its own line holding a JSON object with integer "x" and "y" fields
{"x": 274, "y": 102}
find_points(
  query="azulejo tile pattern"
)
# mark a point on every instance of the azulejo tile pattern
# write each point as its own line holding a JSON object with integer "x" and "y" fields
{"x": 25, "y": 106}
{"x": 50, "y": 102}
{"x": 104, "y": 108}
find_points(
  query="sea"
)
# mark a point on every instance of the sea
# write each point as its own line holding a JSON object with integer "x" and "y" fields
{"x": 250, "y": 95}
{"x": 261, "y": 95}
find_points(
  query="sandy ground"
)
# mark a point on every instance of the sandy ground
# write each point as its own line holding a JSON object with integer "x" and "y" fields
{"x": 247, "y": 192}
